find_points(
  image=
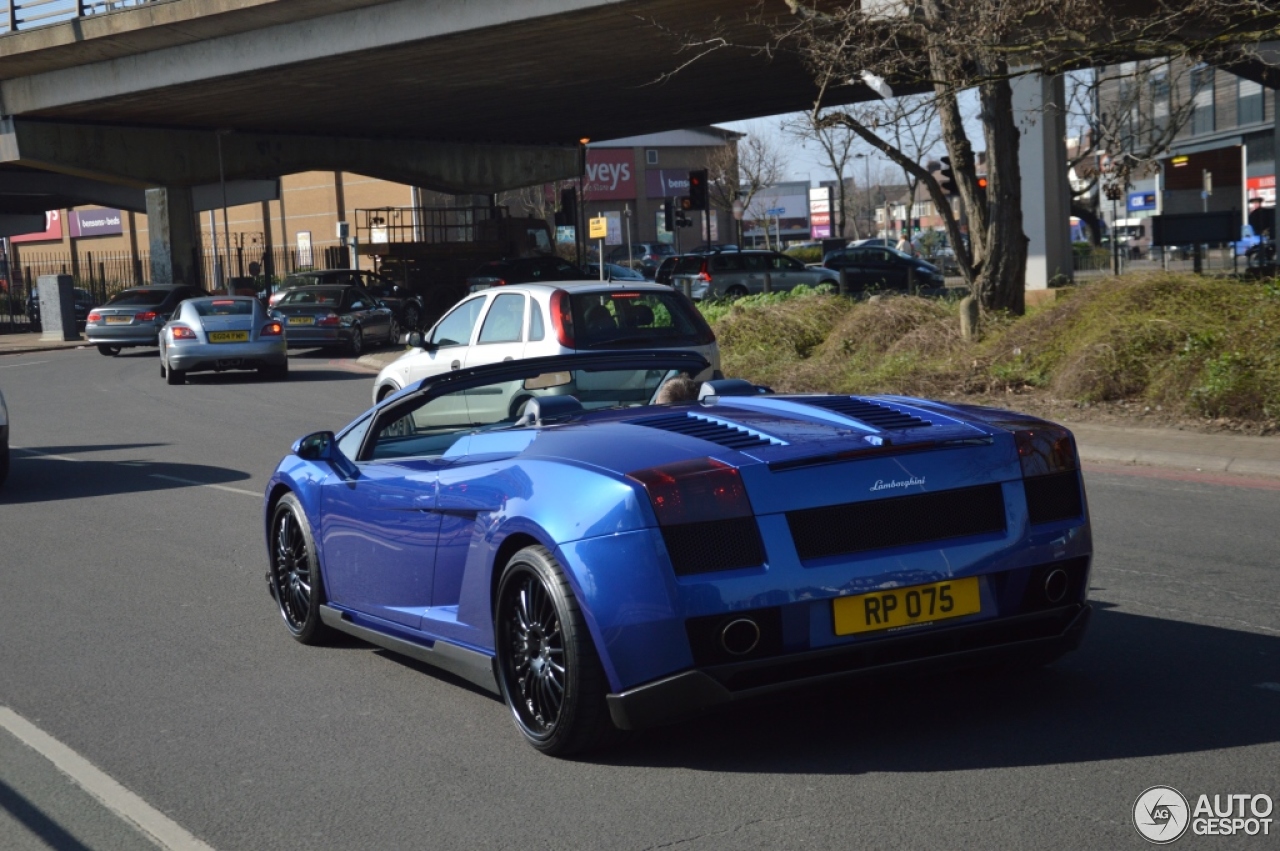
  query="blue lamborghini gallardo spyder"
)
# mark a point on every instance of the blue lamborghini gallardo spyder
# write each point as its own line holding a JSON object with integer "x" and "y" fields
{"x": 560, "y": 532}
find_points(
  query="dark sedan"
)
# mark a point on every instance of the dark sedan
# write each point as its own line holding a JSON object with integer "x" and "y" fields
{"x": 344, "y": 316}
{"x": 525, "y": 270}
{"x": 877, "y": 267}
{"x": 407, "y": 306}
{"x": 134, "y": 317}
{"x": 84, "y": 301}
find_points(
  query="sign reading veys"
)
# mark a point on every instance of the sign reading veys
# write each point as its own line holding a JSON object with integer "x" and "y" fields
{"x": 599, "y": 228}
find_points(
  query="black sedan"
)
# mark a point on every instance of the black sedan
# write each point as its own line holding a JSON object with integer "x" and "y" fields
{"x": 84, "y": 302}
{"x": 878, "y": 267}
{"x": 406, "y": 305}
{"x": 525, "y": 270}
{"x": 343, "y": 316}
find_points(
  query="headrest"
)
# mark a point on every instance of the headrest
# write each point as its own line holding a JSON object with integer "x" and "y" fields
{"x": 728, "y": 387}
{"x": 542, "y": 409}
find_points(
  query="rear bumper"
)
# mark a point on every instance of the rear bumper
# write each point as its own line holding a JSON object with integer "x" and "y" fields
{"x": 123, "y": 335}
{"x": 211, "y": 356}
{"x": 1041, "y": 635}
{"x": 307, "y": 336}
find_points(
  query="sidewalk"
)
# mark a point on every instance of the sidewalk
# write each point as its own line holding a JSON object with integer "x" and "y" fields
{"x": 1158, "y": 447}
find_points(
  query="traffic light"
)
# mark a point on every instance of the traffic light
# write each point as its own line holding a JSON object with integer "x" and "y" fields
{"x": 568, "y": 214}
{"x": 669, "y": 215}
{"x": 698, "y": 189}
{"x": 684, "y": 204}
{"x": 982, "y": 191}
{"x": 947, "y": 183}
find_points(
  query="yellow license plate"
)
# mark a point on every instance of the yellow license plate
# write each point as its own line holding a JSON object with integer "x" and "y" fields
{"x": 119, "y": 320}
{"x": 228, "y": 336}
{"x": 899, "y": 607}
{"x": 302, "y": 320}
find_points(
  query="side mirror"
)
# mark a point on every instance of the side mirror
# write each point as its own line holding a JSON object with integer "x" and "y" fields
{"x": 415, "y": 339}
{"x": 318, "y": 446}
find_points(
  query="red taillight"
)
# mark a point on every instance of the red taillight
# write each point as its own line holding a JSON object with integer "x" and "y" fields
{"x": 222, "y": 302}
{"x": 94, "y": 316}
{"x": 694, "y": 491}
{"x": 703, "y": 274}
{"x": 329, "y": 319}
{"x": 1045, "y": 449}
{"x": 501, "y": 282}
{"x": 145, "y": 317}
{"x": 562, "y": 318}
{"x": 271, "y": 329}
{"x": 182, "y": 332}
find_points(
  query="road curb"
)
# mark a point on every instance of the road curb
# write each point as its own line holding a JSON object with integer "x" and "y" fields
{"x": 1180, "y": 460}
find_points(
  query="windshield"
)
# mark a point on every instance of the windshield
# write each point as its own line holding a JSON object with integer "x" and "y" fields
{"x": 139, "y": 296}
{"x": 314, "y": 296}
{"x": 429, "y": 429}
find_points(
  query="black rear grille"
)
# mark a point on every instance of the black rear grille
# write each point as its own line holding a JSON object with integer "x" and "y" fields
{"x": 724, "y": 435}
{"x": 883, "y": 523}
{"x": 872, "y": 413}
{"x": 714, "y": 545}
{"x": 1054, "y": 497}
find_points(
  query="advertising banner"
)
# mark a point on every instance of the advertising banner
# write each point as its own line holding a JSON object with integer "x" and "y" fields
{"x": 610, "y": 175}
{"x": 1263, "y": 187}
{"x": 95, "y": 222}
{"x": 52, "y": 229}
{"x": 820, "y": 225}
{"x": 666, "y": 183}
{"x": 1141, "y": 201}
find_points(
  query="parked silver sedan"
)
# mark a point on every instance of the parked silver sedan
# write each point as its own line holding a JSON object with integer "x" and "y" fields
{"x": 219, "y": 333}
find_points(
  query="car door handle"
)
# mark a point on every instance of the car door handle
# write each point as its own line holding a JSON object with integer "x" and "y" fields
{"x": 455, "y": 365}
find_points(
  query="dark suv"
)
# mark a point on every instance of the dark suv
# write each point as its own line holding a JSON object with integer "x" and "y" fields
{"x": 737, "y": 273}
{"x": 525, "y": 270}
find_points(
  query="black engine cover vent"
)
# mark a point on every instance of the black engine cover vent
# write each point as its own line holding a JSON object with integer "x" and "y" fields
{"x": 874, "y": 414}
{"x": 734, "y": 437}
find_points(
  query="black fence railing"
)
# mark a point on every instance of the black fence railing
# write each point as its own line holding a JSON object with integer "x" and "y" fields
{"x": 104, "y": 273}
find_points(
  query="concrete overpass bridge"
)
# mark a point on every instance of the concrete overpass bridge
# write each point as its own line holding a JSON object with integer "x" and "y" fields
{"x": 140, "y": 104}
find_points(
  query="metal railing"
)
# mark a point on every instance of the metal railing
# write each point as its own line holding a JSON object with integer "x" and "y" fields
{"x": 26, "y": 14}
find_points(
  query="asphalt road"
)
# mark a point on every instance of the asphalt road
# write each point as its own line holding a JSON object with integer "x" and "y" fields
{"x": 136, "y": 631}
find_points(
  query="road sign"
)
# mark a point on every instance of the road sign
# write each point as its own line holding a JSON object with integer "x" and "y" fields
{"x": 599, "y": 228}
{"x": 776, "y": 211}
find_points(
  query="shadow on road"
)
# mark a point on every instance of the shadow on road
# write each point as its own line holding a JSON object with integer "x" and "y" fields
{"x": 296, "y": 376}
{"x": 34, "y": 478}
{"x": 1139, "y": 687}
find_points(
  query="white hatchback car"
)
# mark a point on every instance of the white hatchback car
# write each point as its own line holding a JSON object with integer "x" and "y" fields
{"x": 553, "y": 318}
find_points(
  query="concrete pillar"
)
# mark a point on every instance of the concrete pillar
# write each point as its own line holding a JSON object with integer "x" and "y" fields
{"x": 171, "y": 226}
{"x": 1038, "y": 103}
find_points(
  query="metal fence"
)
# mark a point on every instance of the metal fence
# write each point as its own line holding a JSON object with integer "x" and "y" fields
{"x": 104, "y": 273}
{"x": 27, "y": 14}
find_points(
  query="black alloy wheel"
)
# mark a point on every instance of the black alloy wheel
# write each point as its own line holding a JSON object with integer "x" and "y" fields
{"x": 108, "y": 351}
{"x": 357, "y": 341}
{"x": 735, "y": 291}
{"x": 294, "y": 574}
{"x": 393, "y": 332}
{"x": 412, "y": 316}
{"x": 549, "y": 673}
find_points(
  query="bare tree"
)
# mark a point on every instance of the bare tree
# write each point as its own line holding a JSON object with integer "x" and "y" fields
{"x": 836, "y": 142}
{"x": 739, "y": 172}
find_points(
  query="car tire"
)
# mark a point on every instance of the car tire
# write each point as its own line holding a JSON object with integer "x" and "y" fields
{"x": 174, "y": 376}
{"x": 393, "y": 332}
{"x": 293, "y": 575}
{"x": 548, "y": 670}
{"x": 736, "y": 291}
{"x": 4, "y": 461}
{"x": 356, "y": 345}
{"x": 109, "y": 351}
{"x": 386, "y": 390}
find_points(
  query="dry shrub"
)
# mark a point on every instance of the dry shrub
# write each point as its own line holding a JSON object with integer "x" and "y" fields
{"x": 764, "y": 340}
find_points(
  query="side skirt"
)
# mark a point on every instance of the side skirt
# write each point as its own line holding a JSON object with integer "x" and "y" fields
{"x": 470, "y": 665}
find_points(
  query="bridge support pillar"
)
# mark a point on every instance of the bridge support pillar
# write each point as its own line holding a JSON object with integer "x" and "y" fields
{"x": 1038, "y": 103}
{"x": 175, "y": 242}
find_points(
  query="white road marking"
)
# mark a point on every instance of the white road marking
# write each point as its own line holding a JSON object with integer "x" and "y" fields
{"x": 1270, "y": 686}
{"x": 27, "y": 363}
{"x": 161, "y": 829}
{"x": 205, "y": 485}
{"x": 40, "y": 454}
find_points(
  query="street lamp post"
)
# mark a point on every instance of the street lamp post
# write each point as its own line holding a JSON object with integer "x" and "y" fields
{"x": 737, "y": 218}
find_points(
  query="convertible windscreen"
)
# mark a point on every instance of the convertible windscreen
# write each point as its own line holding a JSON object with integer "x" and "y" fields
{"x": 423, "y": 429}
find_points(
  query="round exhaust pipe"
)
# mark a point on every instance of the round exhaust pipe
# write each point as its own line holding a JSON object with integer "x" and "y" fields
{"x": 740, "y": 637}
{"x": 1055, "y": 585}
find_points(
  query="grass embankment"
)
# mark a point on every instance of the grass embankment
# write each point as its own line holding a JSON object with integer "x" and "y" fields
{"x": 1190, "y": 346}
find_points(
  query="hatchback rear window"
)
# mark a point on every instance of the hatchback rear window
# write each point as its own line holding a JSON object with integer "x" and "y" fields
{"x": 689, "y": 264}
{"x": 637, "y": 319}
{"x": 139, "y": 296}
{"x": 224, "y": 307}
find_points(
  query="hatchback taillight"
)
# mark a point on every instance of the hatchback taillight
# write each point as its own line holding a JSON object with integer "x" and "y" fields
{"x": 271, "y": 329}
{"x": 562, "y": 318}
{"x": 94, "y": 316}
{"x": 182, "y": 332}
